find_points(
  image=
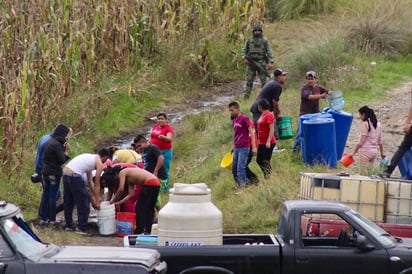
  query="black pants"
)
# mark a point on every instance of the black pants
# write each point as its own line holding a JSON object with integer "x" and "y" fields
{"x": 250, "y": 175}
{"x": 145, "y": 208}
{"x": 264, "y": 155}
{"x": 75, "y": 194}
{"x": 397, "y": 157}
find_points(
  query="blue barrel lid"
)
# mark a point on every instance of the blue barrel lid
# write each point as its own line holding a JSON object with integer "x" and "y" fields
{"x": 336, "y": 112}
{"x": 319, "y": 121}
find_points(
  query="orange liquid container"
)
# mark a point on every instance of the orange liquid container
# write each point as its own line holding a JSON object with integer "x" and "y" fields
{"x": 346, "y": 160}
{"x": 125, "y": 223}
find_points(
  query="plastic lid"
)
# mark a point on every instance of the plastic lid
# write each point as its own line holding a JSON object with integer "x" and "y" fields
{"x": 190, "y": 189}
{"x": 319, "y": 121}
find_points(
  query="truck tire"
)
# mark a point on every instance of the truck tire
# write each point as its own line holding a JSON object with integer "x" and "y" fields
{"x": 206, "y": 270}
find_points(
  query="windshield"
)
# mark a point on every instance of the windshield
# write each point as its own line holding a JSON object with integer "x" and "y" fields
{"x": 378, "y": 233}
{"x": 23, "y": 242}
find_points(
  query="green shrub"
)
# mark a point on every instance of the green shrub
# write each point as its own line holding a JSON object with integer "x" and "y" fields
{"x": 336, "y": 67}
{"x": 323, "y": 57}
{"x": 381, "y": 27}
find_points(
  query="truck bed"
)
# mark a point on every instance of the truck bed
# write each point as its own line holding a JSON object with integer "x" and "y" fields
{"x": 240, "y": 253}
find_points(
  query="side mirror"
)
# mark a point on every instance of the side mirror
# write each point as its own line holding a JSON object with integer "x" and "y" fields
{"x": 363, "y": 244}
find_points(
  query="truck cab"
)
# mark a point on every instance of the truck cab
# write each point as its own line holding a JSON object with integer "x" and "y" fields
{"x": 329, "y": 237}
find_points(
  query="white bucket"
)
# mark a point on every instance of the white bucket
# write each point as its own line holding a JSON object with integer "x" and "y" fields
{"x": 106, "y": 219}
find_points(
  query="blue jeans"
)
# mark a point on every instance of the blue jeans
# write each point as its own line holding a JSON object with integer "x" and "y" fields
{"x": 397, "y": 156}
{"x": 168, "y": 155}
{"x": 239, "y": 164}
{"x": 51, "y": 184}
{"x": 59, "y": 207}
{"x": 296, "y": 143}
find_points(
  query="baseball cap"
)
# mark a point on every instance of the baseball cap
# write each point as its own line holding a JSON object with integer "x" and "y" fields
{"x": 278, "y": 72}
{"x": 310, "y": 73}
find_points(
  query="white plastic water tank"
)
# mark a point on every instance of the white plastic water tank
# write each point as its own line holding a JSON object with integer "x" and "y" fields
{"x": 190, "y": 218}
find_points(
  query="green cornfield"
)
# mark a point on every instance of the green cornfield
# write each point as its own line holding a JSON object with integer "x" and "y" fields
{"x": 51, "y": 50}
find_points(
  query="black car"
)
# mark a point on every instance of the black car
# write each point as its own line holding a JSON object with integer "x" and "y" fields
{"x": 22, "y": 252}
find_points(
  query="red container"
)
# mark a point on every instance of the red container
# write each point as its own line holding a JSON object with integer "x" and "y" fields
{"x": 125, "y": 223}
{"x": 399, "y": 230}
{"x": 326, "y": 227}
{"x": 346, "y": 160}
{"x": 332, "y": 228}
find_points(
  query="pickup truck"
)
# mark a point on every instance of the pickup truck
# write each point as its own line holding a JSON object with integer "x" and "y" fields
{"x": 22, "y": 252}
{"x": 313, "y": 237}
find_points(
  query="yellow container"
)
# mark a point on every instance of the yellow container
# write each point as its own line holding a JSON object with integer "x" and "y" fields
{"x": 399, "y": 201}
{"x": 227, "y": 161}
{"x": 364, "y": 195}
{"x": 319, "y": 186}
{"x": 361, "y": 193}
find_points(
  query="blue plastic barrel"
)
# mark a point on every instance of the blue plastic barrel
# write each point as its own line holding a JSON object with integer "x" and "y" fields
{"x": 343, "y": 122}
{"x": 308, "y": 117}
{"x": 320, "y": 142}
{"x": 405, "y": 165}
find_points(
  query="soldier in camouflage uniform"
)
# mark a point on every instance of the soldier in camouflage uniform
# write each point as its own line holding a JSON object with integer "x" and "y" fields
{"x": 258, "y": 49}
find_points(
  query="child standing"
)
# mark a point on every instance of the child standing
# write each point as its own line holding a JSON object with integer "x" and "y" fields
{"x": 370, "y": 139}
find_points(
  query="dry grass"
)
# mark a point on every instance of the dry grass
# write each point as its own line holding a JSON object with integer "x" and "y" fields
{"x": 383, "y": 27}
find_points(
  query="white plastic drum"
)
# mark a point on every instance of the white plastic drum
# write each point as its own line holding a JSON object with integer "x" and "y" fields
{"x": 190, "y": 218}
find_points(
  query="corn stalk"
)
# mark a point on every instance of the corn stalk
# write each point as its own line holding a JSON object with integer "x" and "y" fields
{"x": 51, "y": 50}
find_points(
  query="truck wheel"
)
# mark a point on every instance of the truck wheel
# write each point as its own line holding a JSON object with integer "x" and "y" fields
{"x": 206, "y": 270}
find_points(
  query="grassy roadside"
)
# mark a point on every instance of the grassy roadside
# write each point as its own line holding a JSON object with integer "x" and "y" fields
{"x": 204, "y": 139}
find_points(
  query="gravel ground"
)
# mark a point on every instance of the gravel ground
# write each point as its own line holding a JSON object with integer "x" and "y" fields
{"x": 392, "y": 115}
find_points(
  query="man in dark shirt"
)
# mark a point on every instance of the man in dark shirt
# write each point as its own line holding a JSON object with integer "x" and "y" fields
{"x": 152, "y": 156}
{"x": 310, "y": 95}
{"x": 271, "y": 91}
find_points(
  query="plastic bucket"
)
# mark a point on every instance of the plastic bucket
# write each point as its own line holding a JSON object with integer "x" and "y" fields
{"x": 107, "y": 226}
{"x": 346, "y": 160}
{"x": 343, "y": 122}
{"x": 336, "y": 101}
{"x": 227, "y": 161}
{"x": 384, "y": 162}
{"x": 125, "y": 223}
{"x": 320, "y": 142}
{"x": 106, "y": 220}
{"x": 285, "y": 128}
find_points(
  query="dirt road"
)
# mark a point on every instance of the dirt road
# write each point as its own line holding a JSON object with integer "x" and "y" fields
{"x": 392, "y": 115}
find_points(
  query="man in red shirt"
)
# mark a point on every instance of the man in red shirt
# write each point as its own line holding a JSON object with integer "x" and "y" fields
{"x": 241, "y": 144}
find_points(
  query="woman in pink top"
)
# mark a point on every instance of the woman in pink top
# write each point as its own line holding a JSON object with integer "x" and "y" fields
{"x": 161, "y": 136}
{"x": 266, "y": 137}
{"x": 371, "y": 138}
